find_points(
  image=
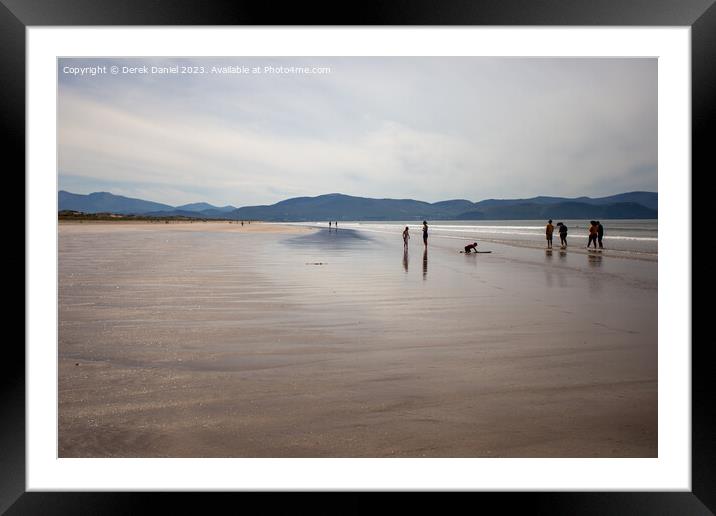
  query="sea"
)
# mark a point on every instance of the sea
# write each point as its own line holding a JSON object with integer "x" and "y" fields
{"x": 638, "y": 238}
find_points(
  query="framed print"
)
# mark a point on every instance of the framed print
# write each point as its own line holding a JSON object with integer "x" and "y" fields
{"x": 276, "y": 255}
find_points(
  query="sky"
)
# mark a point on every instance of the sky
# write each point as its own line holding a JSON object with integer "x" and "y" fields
{"x": 425, "y": 128}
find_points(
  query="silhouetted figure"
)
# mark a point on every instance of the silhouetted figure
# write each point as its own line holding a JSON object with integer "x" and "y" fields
{"x": 336, "y": 224}
{"x": 471, "y": 247}
{"x": 592, "y": 234}
{"x": 425, "y": 262}
{"x": 600, "y": 234}
{"x": 549, "y": 229}
{"x": 562, "y": 234}
{"x": 242, "y": 223}
{"x": 406, "y": 237}
{"x": 425, "y": 233}
{"x": 329, "y": 225}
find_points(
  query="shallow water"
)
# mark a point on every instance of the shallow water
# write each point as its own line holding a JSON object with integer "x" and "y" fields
{"x": 628, "y": 238}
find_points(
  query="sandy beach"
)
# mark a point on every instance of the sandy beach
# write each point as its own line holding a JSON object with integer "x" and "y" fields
{"x": 217, "y": 340}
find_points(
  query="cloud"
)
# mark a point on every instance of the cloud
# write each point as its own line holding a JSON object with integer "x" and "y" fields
{"x": 97, "y": 141}
{"x": 430, "y": 129}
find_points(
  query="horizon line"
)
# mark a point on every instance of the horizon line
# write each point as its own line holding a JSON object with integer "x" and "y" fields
{"x": 375, "y": 198}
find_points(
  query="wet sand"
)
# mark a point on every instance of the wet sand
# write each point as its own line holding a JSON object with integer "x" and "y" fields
{"x": 213, "y": 340}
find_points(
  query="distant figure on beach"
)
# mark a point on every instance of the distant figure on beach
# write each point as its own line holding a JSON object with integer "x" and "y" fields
{"x": 329, "y": 225}
{"x": 406, "y": 237}
{"x": 562, "y": 235}
{"x": 242, "y": 223}
{"x": 471, "y": 247}
{"x": 425, "y": 233}
{"x": 600, "y": 234}
{"x": 593, "y": 230}
{"x": 336, "y": 224}
{"x": 549, "y": 229}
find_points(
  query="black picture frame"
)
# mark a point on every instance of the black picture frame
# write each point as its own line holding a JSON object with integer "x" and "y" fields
{"x": 700, "y": 15}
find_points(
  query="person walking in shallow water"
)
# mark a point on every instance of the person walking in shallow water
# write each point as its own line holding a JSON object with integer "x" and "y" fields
{"x": 600, "y": 234}
{"x": 562, "y": 235}
{"x": 592, "y": 234}
{"x": 425, "y": 233}
{"x": 406, "y": 237}
{"x": 549, "y": 229}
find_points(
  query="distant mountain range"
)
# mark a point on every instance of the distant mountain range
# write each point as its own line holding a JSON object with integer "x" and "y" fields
{"x": 631, "y": 205}
{"x": 105, "y": 202}
{"x": 204, "y": 206}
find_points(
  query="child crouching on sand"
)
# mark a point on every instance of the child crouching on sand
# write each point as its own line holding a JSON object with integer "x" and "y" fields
{"x": 471, "y": 247}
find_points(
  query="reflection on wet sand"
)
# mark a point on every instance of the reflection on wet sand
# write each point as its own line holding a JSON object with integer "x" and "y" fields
{"x": 471, "y": 258}
{"x": 405, "y": 259}
{"x": 548, "y": 269}
{"x": 344, "y": 240}
{"x": 593, "y": 278}
{"x": 425, "y": 263}
{"x": 550, "y": 274}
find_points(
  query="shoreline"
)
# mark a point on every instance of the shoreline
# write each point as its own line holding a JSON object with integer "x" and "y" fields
{"x": 612, "y": 253}
{"x": 209, "y": 225}
{"x": 537, "y": 243}
{"x": 291, "y": 227}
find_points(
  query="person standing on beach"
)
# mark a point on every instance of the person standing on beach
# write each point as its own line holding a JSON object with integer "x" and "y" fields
{"x": 329, "y": 225}
{"x": 549, "y": 230}
{"x": 425, "y": 233}
{"x": 592, "y": 234}
{"x": 600, "y": 234}
{"x": 562, "y": 234}
{"x": 406, "y": 237}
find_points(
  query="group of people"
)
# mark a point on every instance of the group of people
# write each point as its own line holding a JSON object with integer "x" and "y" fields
{"x": 596, "y": 233}
{"x": 406, "y": 235}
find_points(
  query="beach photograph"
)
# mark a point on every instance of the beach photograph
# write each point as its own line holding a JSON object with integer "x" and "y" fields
{"x": 357, "y": 257}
